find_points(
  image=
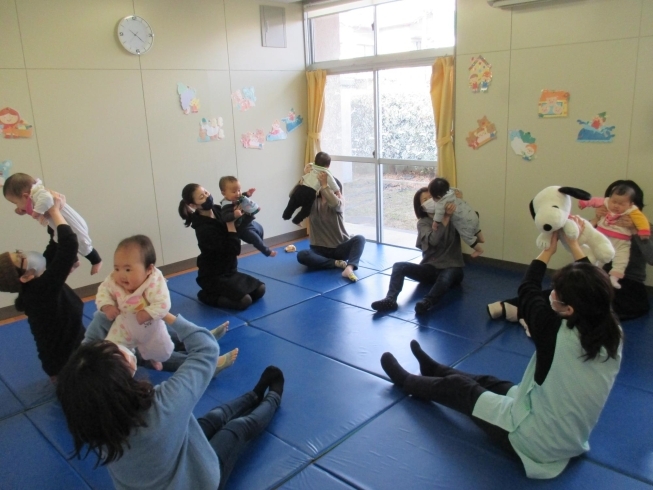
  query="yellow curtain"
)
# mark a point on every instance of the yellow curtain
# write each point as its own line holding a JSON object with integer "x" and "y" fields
{"x": 442, "y": 85}
{"x": 316, "y": 83}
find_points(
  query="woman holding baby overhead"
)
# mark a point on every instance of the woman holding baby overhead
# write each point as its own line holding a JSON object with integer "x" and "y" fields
{"x": 222, "y": 285}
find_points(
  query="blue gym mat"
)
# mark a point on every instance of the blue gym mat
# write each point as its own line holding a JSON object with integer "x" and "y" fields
{"x": 342, "y": 424}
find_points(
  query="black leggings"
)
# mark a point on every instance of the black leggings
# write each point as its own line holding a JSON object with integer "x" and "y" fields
{"x": 460, "y": 391}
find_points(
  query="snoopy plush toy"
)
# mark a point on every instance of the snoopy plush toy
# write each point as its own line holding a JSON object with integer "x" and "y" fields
{"x": 551, "y": 208}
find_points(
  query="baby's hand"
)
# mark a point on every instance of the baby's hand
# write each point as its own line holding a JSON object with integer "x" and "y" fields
{"x": 111, "y": 312}
{"x": 75, "y": 266}
{"x": 238, "y": 213}
{"x": 20, "y": 212}
{"x": 95, "y": 268}
{"x": 250, "y": 192}
{"x": 143, "y": 317}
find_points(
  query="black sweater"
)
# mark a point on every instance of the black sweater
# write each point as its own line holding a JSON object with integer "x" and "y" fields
{"x": 53, "y": 310}
{"x": 219, "y": 248}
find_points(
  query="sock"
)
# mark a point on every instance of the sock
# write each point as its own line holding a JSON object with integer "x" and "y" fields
{"x": 341, "y": 264}
{"x": 225, "y": 361}
{"x": 393, "y": 369}
{"x": 496, "y": 310}
{"x": 219, "y": 331}
{"x": 270, "y": 374}
{"x": 277, "y": 384}
{"x": 385, "y": 304}
{"x": 427, "y": 366}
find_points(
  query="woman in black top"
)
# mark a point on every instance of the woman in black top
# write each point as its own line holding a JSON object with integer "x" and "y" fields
{"x": 631, "y": 301}
{"x": 222, "y": 285}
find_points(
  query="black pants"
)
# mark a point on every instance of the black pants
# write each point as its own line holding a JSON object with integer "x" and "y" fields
{"x": 460, "y": 391}
{"x": 302, "y": 197}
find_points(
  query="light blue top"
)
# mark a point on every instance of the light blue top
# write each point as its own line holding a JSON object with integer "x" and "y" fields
{"x": 550, "y": 423}
{"x": 172, "y": 452}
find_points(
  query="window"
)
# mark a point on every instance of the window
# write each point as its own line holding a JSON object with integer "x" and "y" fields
{"x": 378, "y": 123}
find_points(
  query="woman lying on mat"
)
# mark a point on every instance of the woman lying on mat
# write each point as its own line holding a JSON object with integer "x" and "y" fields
{"x": 222, "y": 285}
{"x": 442, "y": 259}
{"x": 631, "y": 301}
{"x": 547, "y": 418}
{"x": 147, "y": 436}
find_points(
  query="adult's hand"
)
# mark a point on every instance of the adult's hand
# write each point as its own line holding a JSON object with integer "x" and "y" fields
{"x": 450, "y": 208}
{"x": 322, "y": 178}
{"x": 627, "y": 222}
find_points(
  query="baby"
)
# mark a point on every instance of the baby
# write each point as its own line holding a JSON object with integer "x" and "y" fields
{"x": 31, "y": 197}
{"x": 237, "y": 206}
{"x": 464, "y": 218}
{"x": 620, "y": 203}
{"x": 136, "y": 298}
{"x": 303, "y": 195}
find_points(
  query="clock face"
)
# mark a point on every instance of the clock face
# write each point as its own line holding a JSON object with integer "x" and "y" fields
{"x": 135, "y": 34}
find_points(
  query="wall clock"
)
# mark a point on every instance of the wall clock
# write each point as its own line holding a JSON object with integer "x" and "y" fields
{"x": 135, "y": 34}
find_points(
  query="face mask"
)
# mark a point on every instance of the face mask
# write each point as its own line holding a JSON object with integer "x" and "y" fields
{"x": 429, "y": 206}
{"x": 131, "y": 358}
{"x": 208, "y": 204}
{"x": 34, "y": 262}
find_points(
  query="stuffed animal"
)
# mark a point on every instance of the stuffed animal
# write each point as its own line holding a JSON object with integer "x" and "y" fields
{"x": 550, "y": 209}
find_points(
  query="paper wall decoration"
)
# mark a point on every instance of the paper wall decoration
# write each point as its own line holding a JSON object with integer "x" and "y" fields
{"x": 553, "y": 103}
{"x": 12, "y": 126}
{"x": 4, "y": 171}
{"x": 211, "y": 129}
{"x": 188, "y": 98}
{"x": 292, "y": 121}
{"x": 523, "y": 144}
{"x": 595, "y": 131}
{"x": 480, "y": 75}
{"x": 485, "y": 133}
{"x": 276, "y": 133}
{"x": 253, "y": 141}
{"x": 244, "y": 99}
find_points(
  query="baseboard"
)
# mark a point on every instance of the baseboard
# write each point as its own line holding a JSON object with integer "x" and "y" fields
{"x": 170, "y": 269}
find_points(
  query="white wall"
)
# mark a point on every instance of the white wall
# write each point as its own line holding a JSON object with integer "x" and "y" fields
{"x": 109, "y": 130}
{"x": 601, "y": 51}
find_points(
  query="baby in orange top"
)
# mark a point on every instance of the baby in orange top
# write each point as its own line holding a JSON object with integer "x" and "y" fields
{"x": 619, "y": 203}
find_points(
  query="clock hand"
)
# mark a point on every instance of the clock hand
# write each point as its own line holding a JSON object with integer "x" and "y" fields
{"x": 136, "y": 35}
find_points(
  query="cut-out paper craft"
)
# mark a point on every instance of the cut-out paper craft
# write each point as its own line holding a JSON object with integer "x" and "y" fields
{"x": 292, "y": 120}
{"x": 523, "y": 144}
{"x": 595, "y": 131}
{"x": 485, "y": 133}
{"x": 253, "y": 141}
{"x": 276, "y": 133}
{"x": 12, "y": 126}
{"x": 244, "y": 99}
{"x": 553, "y": 103}
{"x": 480, "y": 75}
{"x": 211, "y": 129}
{"x": 188, "y": 98}
{"x": 4, "y": 171}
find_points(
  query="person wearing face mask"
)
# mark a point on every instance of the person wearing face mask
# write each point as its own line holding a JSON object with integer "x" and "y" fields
{"x": 53, "y": 310}
{"x": 442, "y": 258}
{"x": 547, "y": 418}
{"x": 222, "y": 285}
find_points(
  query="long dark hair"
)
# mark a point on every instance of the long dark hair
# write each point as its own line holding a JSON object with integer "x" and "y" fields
{"x": 587, "y": 289}
{"x": 638, "y": 200}
{"x": 101, "y": 400}
{"x": 185, "y": 211}
{"x": 417, "y": 204}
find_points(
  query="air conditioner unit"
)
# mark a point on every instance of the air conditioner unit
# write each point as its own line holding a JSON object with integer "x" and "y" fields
{"x": 511, "y": 3}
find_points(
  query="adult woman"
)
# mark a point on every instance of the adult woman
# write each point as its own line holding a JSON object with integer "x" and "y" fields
{"x": 147, "y": 435}
{"x": 442, "y": 259}
{"x": 547, "y": 418}
{"x": 631, "y": 301}
{"x": 222, "y": 285}
{"x": 331, "y": 246}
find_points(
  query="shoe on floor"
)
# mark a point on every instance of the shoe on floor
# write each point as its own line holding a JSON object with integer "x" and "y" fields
{"x": 385, "y": 304}
{"x": 423, "y": 306}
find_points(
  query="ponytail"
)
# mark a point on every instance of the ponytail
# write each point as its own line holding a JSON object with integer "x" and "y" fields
{"x": 185, "y": 211}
